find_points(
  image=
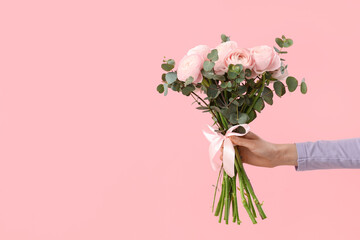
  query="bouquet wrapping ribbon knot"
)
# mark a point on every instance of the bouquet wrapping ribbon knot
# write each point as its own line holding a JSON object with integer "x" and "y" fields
{"x": 216, "y": 140}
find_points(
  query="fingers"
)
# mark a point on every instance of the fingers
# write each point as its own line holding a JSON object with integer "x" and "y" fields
{"x": 251, "y": 135}
{"x": 241, "y": 141}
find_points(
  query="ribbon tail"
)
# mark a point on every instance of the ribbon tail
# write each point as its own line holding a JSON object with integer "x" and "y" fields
{"x": 228, "y": 157}
{"x": 213, "y": 149}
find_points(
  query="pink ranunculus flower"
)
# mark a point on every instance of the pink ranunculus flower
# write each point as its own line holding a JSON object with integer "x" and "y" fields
{"x": 190, "y": 65}
{"x": 278, "y": 75}
{"x": 266, "y": 59}
{"x": 223, "y": 49}
{"x": 202, "y": 50}
{"x": 239, "y": 56}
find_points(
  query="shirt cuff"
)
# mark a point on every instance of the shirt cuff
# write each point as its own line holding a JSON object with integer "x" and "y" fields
{"x": 302, "y": 156}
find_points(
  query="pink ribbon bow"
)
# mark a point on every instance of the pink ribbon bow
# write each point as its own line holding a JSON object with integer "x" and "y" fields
{"x": 217, "y": 139}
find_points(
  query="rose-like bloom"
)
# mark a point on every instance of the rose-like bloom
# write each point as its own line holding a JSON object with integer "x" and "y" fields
{"x": 239, "y": 56}
{"x": 278, "y": 75}
{"x": 266, "y": 59}
{"x": 223, "y": 49}
{"x": 190, "y": 65}
{"x": 202, "y": 50}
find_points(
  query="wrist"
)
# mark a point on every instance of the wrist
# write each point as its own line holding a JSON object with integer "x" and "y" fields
{"x": 286, "y": 154}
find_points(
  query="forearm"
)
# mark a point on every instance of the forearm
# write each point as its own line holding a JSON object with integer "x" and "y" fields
{"x": 335, "y": 154}
{"x": 286, "y": 155}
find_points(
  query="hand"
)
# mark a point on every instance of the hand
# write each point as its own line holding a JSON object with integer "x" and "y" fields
{"x": 258, "y": 152}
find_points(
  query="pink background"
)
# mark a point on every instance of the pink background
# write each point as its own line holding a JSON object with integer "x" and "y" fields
{"x": 90, "y": 150}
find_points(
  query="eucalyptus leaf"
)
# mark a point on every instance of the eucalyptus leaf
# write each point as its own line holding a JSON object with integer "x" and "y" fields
{"x": 303, "y": 87}
{"x": 171, "y": 62}
{"x": 232, "y": 75}
{"x": 176, "y": 86}
{"x": 213, "y": 55}
{"x": 259, "y": 105}
{"x": 268, "y": 95}
{"x": 171, "y": 77}
{"x": 224, "y": 38}
{"x": 248, "y": 72}
{"x": 288, "y": 43}
{"x": 242, "y": 118}
{"x": 166, "y": 87}
{"x": 160, "y": 88}
{"x": 189, "y": 80}
{"x": 188, "y": 89}
{"x": 208, "y": 66}
{"x": 252, "y": 116}
{"x": 219, "y": 77}
{"x": 292, "y": 83}
{"x": 208, "y": 75}
{"x": 279, "y": 42}
{"x": 205, "y": 82}
{"x": 212, "y": 91}
{"x": 167, "y": 67}
{"x": 279, "y": 88}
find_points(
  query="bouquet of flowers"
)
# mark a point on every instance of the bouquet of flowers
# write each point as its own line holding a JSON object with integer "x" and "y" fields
{"x": 232, "y": 84}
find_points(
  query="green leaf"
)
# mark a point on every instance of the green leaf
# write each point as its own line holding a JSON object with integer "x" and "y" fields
{"x": 292, "y": 83}
{"x": 189, "y": 80}
{"x": 240, "y": 101}
{"x": 238, "y": 68}
{"x": 208, "y": 75}
{"x": 224, "y": 38}
{"x": 171, "y": 77}
{"x": 167, "y": 67}
{"x": 205, "y": 82}
{"x": 219, "y": 77}
{"x": 259, "y": 105}
{"x": 176, "y": 86}
{"x": 188, "y": 89}
{"x": 243, "y": 118}
{"x": 231, "y": 75}
{"x": 279, "y": 88}
{"x": 163, "y": 77}
{"x": 166, "y": 87}
{"x": 276, "y": 50}
{"x": 279, "y": 42}
{"x": 171, "y": 62}
{"x": 303, "y": 87}
{"x": 288, "y": 42}
{"x": 241, "y": 90}
{"x": 160, "y": 88}
{"x": 215, "y": 108}
{"x": 239, "y": 80}
{"x": 248, "y": 72}
{"x": 252, "y": 116}
{"x": 208, "y": 66}
{"x": 225, "y": 112}
{"x": 268, "y": 95}
{"x": 212, "y": 91}
{"x": 213, "y": 55}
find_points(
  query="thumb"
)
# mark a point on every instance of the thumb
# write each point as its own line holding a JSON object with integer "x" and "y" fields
{"x": 242, "y": 142}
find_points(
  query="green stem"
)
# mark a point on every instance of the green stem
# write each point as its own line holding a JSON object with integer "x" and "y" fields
{"x": 258, "y": 95}
{"x": 227, "y": 199}
{"x": 247, "y": 182}
{"x": 222, "y": 200}
{"x": 235, "y": 199}
{"x": 216, "y": 188}
{"x": 246, "y": 206}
